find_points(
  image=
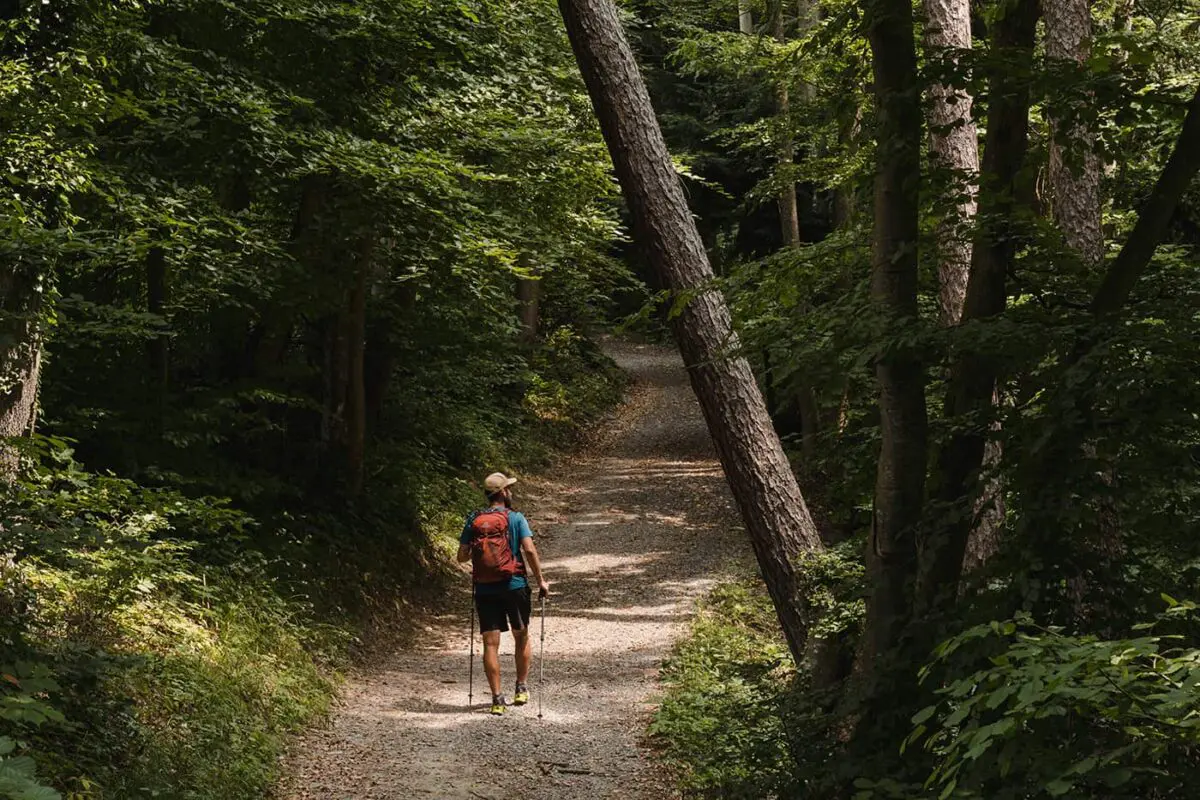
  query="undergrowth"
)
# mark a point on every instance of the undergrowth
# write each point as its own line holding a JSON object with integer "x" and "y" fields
{"x": 720, "y": 725}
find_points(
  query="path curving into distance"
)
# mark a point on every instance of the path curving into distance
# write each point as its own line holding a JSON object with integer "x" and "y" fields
{"x": 630, "y": 533}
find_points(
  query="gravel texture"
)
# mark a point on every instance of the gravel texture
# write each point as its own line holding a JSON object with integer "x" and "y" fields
{"x": 630, "y": 534}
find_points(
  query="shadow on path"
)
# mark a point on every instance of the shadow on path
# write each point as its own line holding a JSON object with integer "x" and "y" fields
{"x": 630, "y": 536}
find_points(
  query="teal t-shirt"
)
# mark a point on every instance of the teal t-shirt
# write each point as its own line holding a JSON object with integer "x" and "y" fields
{"x": 518, "y": 530}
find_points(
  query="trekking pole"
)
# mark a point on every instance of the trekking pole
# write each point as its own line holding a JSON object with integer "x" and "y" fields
{"x": 471, "y": 668}
{"x": 542, "y": 659}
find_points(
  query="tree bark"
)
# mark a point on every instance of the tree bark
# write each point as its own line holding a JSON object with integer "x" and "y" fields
{"x": 789, "y": 208}
{"x": 529, "y": 291}
{"x": 772, "y": 507}
{"x": 900, "y": 478}
{"x": 955, "y": 145}
{"x": 973, "y": 373}
{"x": 20, "y": 357}
{"x": 1075, "y": 167}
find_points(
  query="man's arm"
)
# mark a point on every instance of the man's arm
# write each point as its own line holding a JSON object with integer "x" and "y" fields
{"x": 529, "y": 549}
{"x": 464, "y": 553}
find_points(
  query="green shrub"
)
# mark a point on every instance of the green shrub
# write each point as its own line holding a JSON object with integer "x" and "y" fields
{"x": 1053, "y": 715}
{"x": 719, "y": 723}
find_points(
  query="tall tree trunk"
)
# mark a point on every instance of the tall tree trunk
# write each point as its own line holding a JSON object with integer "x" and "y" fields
{"x": 789, "y": 209}
{"x": 955, "y": 146}
{"x": 900, "y": 479}
{"x": 1045, "y": 484}
{"x": 20, "y": 357}
{"x": 973, "y": 374}
{"x": 1075, "y": 167}
{"x": 772, "y": 507}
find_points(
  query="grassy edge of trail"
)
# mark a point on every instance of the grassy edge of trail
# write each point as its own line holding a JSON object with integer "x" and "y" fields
{"x": 719, "y": 726}
{"x": 158, "y": 645}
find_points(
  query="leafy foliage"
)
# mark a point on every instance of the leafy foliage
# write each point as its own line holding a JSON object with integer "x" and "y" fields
{"x": 273, "y": 256}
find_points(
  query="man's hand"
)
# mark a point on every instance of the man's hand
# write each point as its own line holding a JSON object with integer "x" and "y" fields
{"x": 543, "y": 590}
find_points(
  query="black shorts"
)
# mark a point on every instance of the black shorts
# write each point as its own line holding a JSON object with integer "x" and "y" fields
{"x": 498, "y": 611}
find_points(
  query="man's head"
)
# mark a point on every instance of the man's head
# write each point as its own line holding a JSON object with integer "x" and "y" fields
{"x": 496, "y": 487}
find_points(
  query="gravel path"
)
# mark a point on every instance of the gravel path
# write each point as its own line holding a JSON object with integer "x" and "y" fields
{"x": 630, "y": 534}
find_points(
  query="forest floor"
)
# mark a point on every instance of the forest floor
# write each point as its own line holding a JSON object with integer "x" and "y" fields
{"x": 631, "y": 532}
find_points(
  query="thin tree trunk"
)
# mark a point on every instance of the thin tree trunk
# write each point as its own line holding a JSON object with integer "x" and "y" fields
{"x": 1154, "y": 217}
{"x": 955, "y": 146}
{"x": 745, "y": 17}
{"x": 900, "y": 479}
{"x": 1075, "y": 168}
{"x": 973, "y": 374}
{"x": 20, "y": 358}
{"x": 789, "y": 208}
{"x": 772, "y": 507}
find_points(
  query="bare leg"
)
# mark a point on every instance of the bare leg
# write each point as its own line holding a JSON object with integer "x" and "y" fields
{"x": 491, "y": 659}
{"x": 523, "y": 654}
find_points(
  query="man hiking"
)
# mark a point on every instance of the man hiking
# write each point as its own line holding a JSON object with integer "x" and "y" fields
{"x": 498, "y": 543}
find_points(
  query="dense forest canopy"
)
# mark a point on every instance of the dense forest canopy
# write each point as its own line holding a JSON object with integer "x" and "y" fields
{"x": 280, "y": 276}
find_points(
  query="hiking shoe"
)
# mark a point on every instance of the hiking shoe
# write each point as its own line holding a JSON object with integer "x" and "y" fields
{"x": 499, "y": 704}
{"x": 521, "y": 697}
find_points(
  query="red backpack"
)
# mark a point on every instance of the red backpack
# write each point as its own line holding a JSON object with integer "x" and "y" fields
{"x": 492, "y": 559}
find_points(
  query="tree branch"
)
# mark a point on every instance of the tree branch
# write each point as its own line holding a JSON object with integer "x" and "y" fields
{"x": 1153, "y": 218}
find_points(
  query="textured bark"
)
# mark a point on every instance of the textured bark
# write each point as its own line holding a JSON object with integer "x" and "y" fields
{"x": 1075, "y": 167}
{"x": 900, "y": 479}
{"x": 973, "y": 374}
{"x": 20, "y": 358}
{"x": 955, "y": 145}
{"x": 1153, "y": 217}
{"x": 768, "y": 497}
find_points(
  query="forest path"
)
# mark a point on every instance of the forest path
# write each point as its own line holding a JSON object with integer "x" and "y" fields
{"x": 630, "y": 535}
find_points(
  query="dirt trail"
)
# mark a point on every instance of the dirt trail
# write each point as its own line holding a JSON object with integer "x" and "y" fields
{"x": 630, "y": 535}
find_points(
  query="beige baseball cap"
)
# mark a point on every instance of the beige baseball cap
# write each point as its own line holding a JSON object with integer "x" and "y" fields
{"x": 497, "y": 482}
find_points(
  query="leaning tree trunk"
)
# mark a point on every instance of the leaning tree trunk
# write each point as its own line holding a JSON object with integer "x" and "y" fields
{"x": 1154, "y": 217}
{"x": 973, "y": 373}
{"x": 20, "y": 357}
{"x": 900, "y": 477}
{"x": 1075, "y": 167}
{"x": 776, "y": 517}
{"x": 955, "y": 146}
